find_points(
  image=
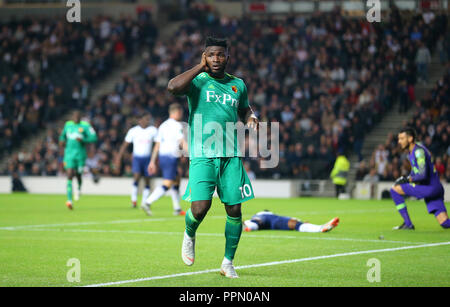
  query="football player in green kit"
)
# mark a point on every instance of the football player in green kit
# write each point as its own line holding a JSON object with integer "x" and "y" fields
{"x": 215, "y": 99}
{"x": 75, "y": 135}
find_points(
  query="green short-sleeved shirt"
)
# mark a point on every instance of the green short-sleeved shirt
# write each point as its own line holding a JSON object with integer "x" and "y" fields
{"x": 214, "y": 147}
{"x": 213, "y": 114}
{"x": 71, "y": 132}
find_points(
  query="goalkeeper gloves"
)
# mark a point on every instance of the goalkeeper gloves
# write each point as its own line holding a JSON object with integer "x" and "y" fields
{"x": 402, "y": 180}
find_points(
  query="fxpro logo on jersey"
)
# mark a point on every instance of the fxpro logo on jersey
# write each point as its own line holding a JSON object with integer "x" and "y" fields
{"x": 74, "y": 135}
{"x": 223, "y": 99}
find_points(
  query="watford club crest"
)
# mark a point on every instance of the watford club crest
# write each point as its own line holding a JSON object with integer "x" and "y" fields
{"x": 234, "y": 88}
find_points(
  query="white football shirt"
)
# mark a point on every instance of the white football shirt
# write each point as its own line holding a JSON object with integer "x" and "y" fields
{"x": 142, "y": 140}
{"x": 170, "y": 135}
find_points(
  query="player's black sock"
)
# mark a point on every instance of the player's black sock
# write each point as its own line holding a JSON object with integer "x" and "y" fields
{"x": 80, "y": 182}
{"x": 446, "y": 224}
{"x": 297, "y": 226}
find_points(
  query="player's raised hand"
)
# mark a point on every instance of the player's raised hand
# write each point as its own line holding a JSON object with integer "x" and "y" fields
{"x": 152, "y": 168}
{"x": 204, "y": 63}
{"x": 402, "y": 180}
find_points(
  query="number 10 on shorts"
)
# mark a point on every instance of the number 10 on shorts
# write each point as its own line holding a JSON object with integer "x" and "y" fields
{"x": 246, "y": 191}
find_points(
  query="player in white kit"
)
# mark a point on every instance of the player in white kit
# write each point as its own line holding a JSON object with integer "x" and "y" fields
{"x": 168, "y": 145}
{"x": 142, "y": 137}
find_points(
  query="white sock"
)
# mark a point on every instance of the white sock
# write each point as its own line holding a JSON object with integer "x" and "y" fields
{"x": 307, "y": 227}
{"x": 175, "y": 199}
{"x": 226, "y": 261}
{"x": 157, "y": 194}
{"x": 134, "y": 193}
{"x": 145, "y": 194}
{"x": 252, "y": 225}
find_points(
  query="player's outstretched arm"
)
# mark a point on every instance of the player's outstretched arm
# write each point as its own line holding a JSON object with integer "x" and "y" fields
{"x": 62, "y": 141}
{"x": 62, "y": 145}
{"x": 91, "y": 135}
{"x": 152, "y": 165}
{"x": 184, "y": 148}
{"x": 180, "y": 84}
{"x": 119, "y": 156}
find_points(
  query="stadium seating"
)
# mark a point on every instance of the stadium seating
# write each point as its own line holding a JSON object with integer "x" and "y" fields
{"x": 327, "y": 79}
{"x": 431, "y": 121}
{"x": 48, "y": 67}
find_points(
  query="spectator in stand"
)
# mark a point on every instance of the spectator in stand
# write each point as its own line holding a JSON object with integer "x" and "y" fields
{"x": 362, "y": 171}
{"x": 440, "y": 167}
{"x": 47, "y": 67}
{"x": 314, "y": 89}
{"x": 447, "y": 174}
{"x": 423, "y": 58}
{"x": 372, "y": 177}
{"x": 431, "y": 120}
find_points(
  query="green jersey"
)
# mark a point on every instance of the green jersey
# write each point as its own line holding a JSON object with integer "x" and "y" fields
{"x": 213, "y": 114}
{"x": 73, "y": 131}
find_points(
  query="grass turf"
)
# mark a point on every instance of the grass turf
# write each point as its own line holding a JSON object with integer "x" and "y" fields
{"x": 113, "y": 242}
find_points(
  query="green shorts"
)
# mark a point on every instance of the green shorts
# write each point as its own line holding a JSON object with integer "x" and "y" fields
{"x": 227, "y": 174}
{"x": 74, "y": 162}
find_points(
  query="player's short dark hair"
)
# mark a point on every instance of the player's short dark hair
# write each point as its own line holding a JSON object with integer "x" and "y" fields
{"x": 409, "y": 132}
{"x": 78, "y": 113}
{"x": 175, "y": 107}
{"x": 214, "y": 41}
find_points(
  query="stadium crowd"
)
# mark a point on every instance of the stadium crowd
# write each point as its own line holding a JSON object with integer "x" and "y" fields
{"x": 431, "y": 122}
{"x": 48, "y": 67}
{"x": 326, "y": 79}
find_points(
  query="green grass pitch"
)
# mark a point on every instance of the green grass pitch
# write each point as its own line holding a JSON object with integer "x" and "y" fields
{"x": 115, "y": 243}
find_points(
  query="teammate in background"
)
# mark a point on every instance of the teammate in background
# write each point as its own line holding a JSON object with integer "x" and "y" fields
{"x": 215, "y": 98}
{"x": 423, "y": 182}
{"x": 75, "y": 135}
{"x": 168, "y": 144}
{"x": 142, "y": 137}
{"x": 266, "y": 220}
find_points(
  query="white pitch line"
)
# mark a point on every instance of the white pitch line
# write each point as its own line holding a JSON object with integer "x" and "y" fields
{"x": 169, "y": 219}
{"x": 90, "y": 223}
{"x": 21, "y": 227}
{"x": 270, "y": 264}
{"x": 221, "y": 235}
{"x": 330, "y": 212}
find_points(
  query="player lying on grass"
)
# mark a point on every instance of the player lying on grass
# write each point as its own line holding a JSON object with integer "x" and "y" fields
{"x": 266, "y": 220}
{"x": 422, "y": 183}
{"x": 168, "y": 144}
{"x": 74, "y": 137}
{"x": 216, "y": 99}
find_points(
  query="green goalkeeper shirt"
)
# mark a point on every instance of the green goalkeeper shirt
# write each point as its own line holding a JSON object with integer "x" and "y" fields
{"x": 71, "y": 132}
{"x": 213, "y": 114}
